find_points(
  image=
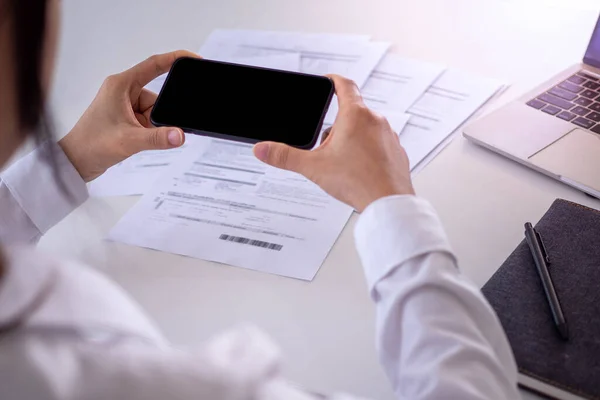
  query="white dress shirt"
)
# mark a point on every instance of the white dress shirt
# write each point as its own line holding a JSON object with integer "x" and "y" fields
{"x": 67, "y": 332}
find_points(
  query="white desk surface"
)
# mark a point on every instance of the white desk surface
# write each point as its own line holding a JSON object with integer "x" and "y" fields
{"x": 326, "y": 327}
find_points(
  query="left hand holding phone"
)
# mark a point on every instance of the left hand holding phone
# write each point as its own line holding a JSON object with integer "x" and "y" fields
{"x": 117, "y": 123}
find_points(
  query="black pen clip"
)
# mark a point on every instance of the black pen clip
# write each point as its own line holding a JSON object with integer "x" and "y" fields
{"x": 542, "y": 245}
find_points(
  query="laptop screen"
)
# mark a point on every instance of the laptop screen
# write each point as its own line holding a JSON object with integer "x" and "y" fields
{"x": 592, "y": 55}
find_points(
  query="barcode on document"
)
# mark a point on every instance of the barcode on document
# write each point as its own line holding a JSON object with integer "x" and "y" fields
{"x": 252, "y": 242}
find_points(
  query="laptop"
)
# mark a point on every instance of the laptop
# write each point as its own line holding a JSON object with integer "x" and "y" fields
{"x": 555, "y": 128}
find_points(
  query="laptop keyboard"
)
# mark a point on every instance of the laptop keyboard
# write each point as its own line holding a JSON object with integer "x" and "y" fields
{"x": 577, "y": 99}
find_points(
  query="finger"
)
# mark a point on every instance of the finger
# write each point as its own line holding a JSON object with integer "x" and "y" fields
{"x": 145, "y": 101}
{"x": 346, "y": 90}
{"x": 143, "y": 120}
{"x": 152, "y": 67}
{"x": 143, "y": 107}
{"x": 282, "y": 156}
{"x": 161, "y": 138}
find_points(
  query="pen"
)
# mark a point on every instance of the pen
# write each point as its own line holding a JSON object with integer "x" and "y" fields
{"x": 540, "y": 256}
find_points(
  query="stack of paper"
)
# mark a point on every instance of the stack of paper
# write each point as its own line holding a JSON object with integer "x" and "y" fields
{"x": 220, "y": 203}
{"x": 213, "y": 200}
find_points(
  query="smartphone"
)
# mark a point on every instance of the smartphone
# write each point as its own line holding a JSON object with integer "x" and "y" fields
{"x": 243, "y": 103}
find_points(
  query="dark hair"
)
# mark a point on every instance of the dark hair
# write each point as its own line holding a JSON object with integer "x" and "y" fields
{"x": 29, "y": 28}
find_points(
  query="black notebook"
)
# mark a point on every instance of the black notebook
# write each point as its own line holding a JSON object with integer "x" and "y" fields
{"x": 547, "y": 363}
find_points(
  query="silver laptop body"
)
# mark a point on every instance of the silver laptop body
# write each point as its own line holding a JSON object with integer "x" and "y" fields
{"x": 554, "y": 128}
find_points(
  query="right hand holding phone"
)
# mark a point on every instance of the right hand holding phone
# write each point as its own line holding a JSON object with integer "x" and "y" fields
{"x": 359, "y": 162}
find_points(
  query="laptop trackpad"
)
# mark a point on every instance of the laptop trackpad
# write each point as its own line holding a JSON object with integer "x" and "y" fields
{"x": 575, "y": 156}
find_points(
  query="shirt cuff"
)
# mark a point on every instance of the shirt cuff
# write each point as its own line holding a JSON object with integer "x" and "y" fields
{"x": 37, "y": 187}
{"x": 395, "y": 229}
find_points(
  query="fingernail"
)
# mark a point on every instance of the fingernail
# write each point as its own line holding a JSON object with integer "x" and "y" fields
{"x": 174, "y": 137}
{"x": 261, "y": 151}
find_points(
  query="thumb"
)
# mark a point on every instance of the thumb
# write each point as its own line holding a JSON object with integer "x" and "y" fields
{"x": 157, "y": 138}
{"x": 282, "y": 156}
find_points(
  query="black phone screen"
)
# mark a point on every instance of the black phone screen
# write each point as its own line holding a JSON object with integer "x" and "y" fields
{"x": 243, "y": 103}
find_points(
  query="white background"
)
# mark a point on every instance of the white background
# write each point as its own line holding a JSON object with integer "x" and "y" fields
{"x": 325, "y": 328}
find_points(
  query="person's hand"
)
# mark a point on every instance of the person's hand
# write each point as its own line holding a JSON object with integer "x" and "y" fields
{"x": 117, "y": 123}
{"x": 359, "y": 162}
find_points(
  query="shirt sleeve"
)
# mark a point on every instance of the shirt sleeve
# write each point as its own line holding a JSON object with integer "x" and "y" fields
{"x": 34, "y": 196}
{"x": 437, "y": 337}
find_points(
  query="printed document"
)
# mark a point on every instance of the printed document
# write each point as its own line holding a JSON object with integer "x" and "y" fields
{"x": 397, "y": 82}
{"x": 228, "y": 36}
{"x": 449, "y": 102}
{"x": 320, "y": 54}
{"x": 138, "y": 173}
{"x": 219, "y": 203}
